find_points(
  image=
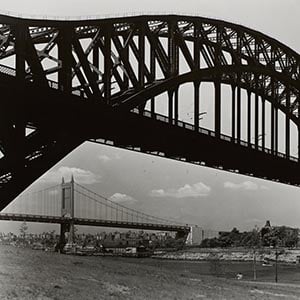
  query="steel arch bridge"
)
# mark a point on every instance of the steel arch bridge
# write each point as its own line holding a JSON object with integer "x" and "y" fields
{"x": 65, "y": 82}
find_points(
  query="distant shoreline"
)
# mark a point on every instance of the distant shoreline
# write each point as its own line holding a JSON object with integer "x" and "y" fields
{"x": 245, "y": 255}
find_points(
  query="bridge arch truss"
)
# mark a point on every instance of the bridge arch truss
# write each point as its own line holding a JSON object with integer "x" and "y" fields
{"x": 121, "y": 65}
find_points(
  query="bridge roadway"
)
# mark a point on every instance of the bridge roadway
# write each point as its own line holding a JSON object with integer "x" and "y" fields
{"x": 92, "y": 222}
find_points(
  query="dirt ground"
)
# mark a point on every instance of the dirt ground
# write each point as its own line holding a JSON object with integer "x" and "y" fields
{"x": 28, "y": 274}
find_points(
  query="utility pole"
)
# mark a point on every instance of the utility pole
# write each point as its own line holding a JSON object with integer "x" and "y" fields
{"x": 277, "y": 253}
{"x": 254, "y": 265}
{"x": 256, "y": 243}
{"x": 276, "y": 266}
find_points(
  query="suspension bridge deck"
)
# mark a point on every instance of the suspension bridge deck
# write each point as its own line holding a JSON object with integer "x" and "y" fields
{"x": 91, "y": 222}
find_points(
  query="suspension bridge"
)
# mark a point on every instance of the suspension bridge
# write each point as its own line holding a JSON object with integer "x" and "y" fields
{"x": 70, "y": 204}
{"x": 116, "y": 74}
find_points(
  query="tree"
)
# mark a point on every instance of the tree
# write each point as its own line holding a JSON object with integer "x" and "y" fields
{"x": 210, "y": 243}
{"x": 292, "y": 240}
{"x": 229, "y": 239}
{"x": 23, "y": 229}
{"x": 251, "y": 239}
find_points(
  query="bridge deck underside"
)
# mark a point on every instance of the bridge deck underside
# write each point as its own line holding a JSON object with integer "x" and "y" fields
{"x": 68, "y": 121}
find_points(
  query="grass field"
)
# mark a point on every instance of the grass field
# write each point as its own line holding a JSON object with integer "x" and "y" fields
{"x": 287, "y": 273}
{"x": 28, "y": 274}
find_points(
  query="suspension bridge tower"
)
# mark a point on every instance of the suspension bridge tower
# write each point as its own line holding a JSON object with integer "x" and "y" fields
{"x": 67, "y": 211}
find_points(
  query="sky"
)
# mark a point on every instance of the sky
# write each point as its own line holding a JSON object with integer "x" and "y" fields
{"x": 210, "y": 198}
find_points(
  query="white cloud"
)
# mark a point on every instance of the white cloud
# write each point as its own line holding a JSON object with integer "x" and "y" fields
{"x": 104, "y": 158}
{"x": 119, "y": 198}
{"x": 80, "y": 175}
{"x": 246, "y": 185}
{"x": 158, "y": 193}
{"x": 195, "y": 190}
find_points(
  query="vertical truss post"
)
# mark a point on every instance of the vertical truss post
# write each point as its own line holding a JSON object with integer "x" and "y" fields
{"x": 170, "y": 105}
{"x": 256, "y": 113}
{"x": 276, "y": 129}
{"x": 238, "y": 111}
{"x": 196, "y": 105}
{"x": 256, "y": 108}
{"x": 141, "y": 61}
{"x": 263, "y": 115}
{"x": 172, "y": 66}
{"x": 217, "y": 84}
{"x": 263, "y": 121}
{"x": 272, "y": 118}
{"x": 287, "y": 124}
{"x": 107, "y": 63}
{"x": 238, "y": 105}
{"x": 233, "y": 100}
{"x": 176, "y": 90}
{"x": 272, "y": 108}
{"x": 153, "y": 73}
{"x": 249, "y": 118}
{"x": 65, "y": 56}
{"x": 272, "y": 129}
{"x": 176, "y": 105}
{"x": 196, "y": 83}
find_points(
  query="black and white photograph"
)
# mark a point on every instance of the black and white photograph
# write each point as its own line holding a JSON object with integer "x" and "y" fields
{"x": 149, "y": 150}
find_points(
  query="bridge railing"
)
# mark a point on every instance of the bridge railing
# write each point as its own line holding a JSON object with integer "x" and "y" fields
{"x": 7, "y": 70}
{"x": 165, "y": 119}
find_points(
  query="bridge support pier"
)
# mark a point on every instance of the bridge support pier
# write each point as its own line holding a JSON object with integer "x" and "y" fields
{"x": 67, "y": 227}
{"x": 71, "y": 228}
{"x": 62, "y": 237}
{"x": 67, "y": 211}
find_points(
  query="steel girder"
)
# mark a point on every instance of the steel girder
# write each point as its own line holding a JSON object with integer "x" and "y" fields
{"x": 122, "y": 63}
{"x": 109, "y": 56}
